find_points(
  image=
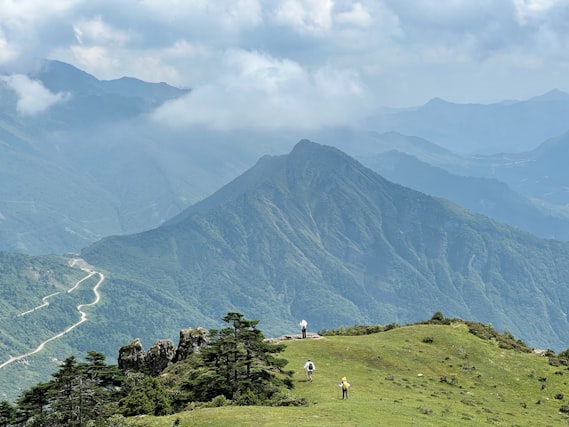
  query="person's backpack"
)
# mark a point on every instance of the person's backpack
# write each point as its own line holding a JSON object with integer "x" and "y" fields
{"x": 344, "y": 385}
{"x": 310, "y": 366}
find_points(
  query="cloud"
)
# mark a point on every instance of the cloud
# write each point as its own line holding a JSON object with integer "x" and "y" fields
{"x": 259, "y": 91}
{"x": 397, "y": 49}
{"x": 33, "y": 97}
{"x": 311, "y": 16}
{"x": 357, "y": 16}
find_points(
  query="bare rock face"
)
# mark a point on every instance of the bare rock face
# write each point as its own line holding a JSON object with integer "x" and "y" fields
{"x": 191, "y": 340}
{"x": 159, "y": 356}
{"x": 131, "y": 357}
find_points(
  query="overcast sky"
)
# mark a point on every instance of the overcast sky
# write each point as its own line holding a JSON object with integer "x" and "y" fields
{"x": 298, "y": 62}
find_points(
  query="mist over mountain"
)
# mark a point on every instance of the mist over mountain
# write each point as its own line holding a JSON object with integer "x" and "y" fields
{"x": 82, "y": 158}
{"x": 87, "y": 162}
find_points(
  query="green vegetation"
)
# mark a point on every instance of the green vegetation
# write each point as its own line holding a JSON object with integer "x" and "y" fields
{"x": 457, "y": 378}
{"x": 440, "y": 372}
{"x": 312, "y": 225}
{"x": 237, "y": 367}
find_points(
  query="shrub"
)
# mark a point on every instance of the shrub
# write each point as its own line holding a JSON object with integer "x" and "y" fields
{"x": 286, "y": 399}
{"x": 247, "y": 399}
{"x": 218, "y": 401}
{"x": 438, "y": 316}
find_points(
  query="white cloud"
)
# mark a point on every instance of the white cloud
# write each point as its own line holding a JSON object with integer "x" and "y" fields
{"x": 259, "y": 91}
{"x": 7, "y": 51}
{"x": 33, "y": 97}
{"x": 527, "y": 10}
{"x": 311, "y": 16}
{"x": 95, "y": 31}
{"x": 26, "y": 25}
{"x": 358, "y": 16}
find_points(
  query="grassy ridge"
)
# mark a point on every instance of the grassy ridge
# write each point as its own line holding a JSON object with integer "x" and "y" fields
{"x": 420, "y": 375}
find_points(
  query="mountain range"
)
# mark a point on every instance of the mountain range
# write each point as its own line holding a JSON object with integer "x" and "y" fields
{"x": 184, "y": 230}
{"x": 311, "y": 235}
{"x": 314, "y": 234}
{"x": 94, "y": 164}
{"x": 469, "y": 129}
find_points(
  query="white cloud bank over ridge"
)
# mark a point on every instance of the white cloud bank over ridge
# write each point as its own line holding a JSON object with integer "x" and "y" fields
{"x": 256, "y": 90}
{"x": 300, "y": 63}
{"x": 33, "y": 97}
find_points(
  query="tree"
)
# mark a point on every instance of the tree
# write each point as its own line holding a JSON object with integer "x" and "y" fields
{"x": 145, "y": 396}
{"x": 69, "y": 392}
{"x": 7, "y": 413}
{"x": 237, "y": 363}
{"x": 33, "y": 402}
{"x": 78, "y": 394}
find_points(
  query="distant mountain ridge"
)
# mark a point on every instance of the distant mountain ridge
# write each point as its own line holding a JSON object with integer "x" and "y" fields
{"x": 95, "y": 101}
{"x": 467, "y": 129}
{"x": 487, "y": 196}
{"x": 93, "y": 165}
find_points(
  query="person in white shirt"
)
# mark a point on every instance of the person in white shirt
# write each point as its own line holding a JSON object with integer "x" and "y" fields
{"x": 303, "y": 325}
{"x": 310, "y": 368}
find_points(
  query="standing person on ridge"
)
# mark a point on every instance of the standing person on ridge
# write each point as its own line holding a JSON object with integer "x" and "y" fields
{"x": 303, "y": 325}
{"x": 309, "y": 367}
{"x": 345, "y": 385}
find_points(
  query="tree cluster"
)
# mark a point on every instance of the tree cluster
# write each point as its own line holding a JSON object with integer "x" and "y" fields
{"x": 238, "y": 367}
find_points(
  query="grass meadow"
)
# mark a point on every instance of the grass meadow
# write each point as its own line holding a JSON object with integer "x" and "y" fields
{"x": 419, "y": 375}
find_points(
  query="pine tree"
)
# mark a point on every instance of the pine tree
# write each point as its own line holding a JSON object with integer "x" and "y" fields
{"x": 237, "y": 363}
{"x": 77, "y": 394}
{"x": 69, "y": 393}
{"x": 33, "y": 402}
{"x": 7, "y": 413}
{"x": 144, "y": 396}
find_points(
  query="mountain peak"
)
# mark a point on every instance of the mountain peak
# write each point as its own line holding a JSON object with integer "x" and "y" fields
{"x": 305, "y": 148}
{"x": 552, "y": 95}
{"x": 436, "y": 102}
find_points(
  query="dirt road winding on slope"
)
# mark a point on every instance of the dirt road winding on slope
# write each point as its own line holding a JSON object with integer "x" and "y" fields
{"x": 90, "y": 272}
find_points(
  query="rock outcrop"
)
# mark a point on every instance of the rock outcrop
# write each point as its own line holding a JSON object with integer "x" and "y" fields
{"x": 191, "y": 340}
{"x": 159, "y": 356}
{"x": 133, "y": 358}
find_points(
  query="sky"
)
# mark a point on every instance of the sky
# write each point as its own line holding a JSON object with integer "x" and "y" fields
{"x": 305, "y": 63}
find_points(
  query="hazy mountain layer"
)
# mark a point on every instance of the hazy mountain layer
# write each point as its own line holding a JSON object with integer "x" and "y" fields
{"x": 487, "y": 196}
{"x": 513, "y": 126}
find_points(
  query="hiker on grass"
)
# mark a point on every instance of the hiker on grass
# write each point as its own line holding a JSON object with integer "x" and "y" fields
{"x": 309, "y": 367}
{"x": 345, "y": 385}
{"x": 303, "y": 325}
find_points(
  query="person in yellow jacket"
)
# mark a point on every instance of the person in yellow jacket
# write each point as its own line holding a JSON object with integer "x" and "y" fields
{"x": 345, "y": 385}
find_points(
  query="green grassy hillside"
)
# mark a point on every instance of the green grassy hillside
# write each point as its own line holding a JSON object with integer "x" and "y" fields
{"x": 420, "y": 375}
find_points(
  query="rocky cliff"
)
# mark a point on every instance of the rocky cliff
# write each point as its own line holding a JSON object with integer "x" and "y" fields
{"x": 133, "y": 358}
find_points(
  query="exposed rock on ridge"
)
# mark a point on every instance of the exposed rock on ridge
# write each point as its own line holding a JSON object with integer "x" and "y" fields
{"x": 133, "y": 358}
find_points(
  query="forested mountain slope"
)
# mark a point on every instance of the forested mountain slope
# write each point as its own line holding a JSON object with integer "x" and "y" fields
{"x": 316, "y": 235}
